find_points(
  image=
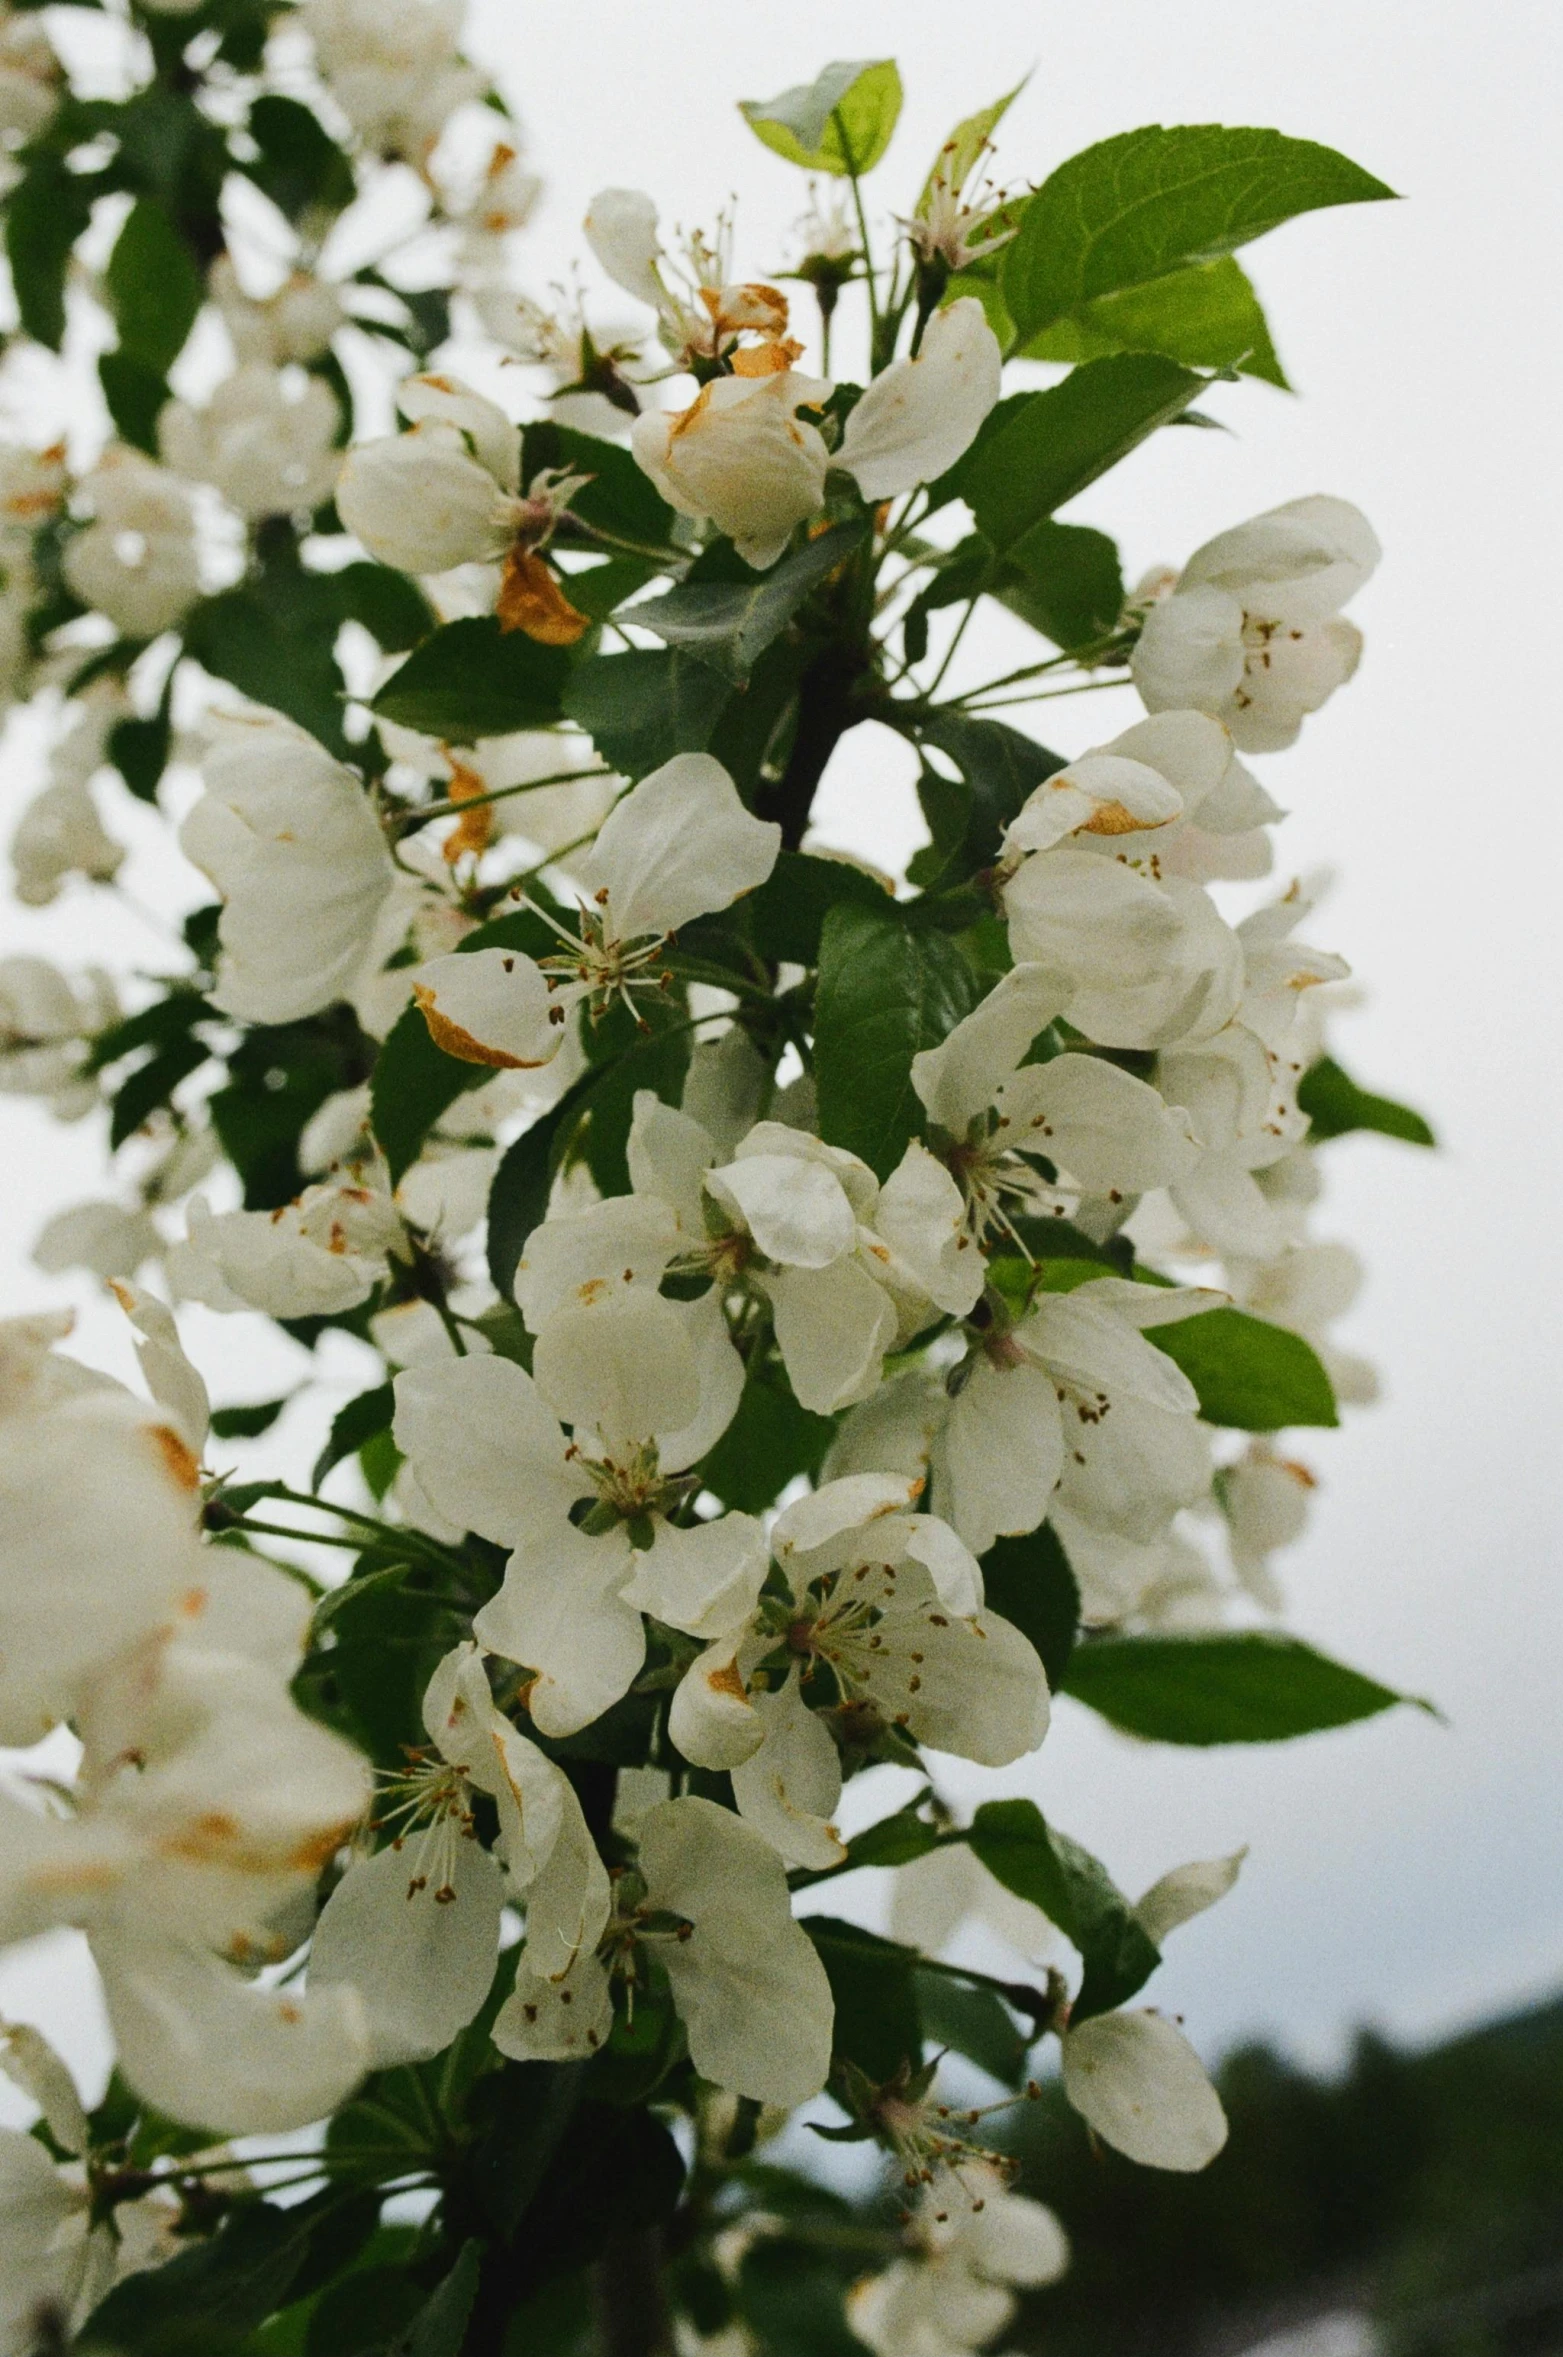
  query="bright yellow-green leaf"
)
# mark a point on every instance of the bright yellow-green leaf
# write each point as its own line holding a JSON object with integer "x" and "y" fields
{"x": 1206, "y": 317}
{"x": 841, "y": 123}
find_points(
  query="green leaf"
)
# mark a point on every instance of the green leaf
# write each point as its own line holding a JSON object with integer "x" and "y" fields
{"x": 770, "y": 1441}
{"x": 897, "y": 1840}
{"x": 976, "y": 2022}
{"x": 391, "y": 608}
{"x": 139, "y": 749}
{"x": 1336, "y": 1106}
{"x": 44, "y": 215}
{"x": 786, "y": 916}
{"x": 641, "y": 708}
{"x": 274, "y": 638}
{"x": 414, "y": 1083}
{"x": 885, "y": 993}
{"x": 1066, "y": 581}
{"x": 248, "y": 1421}
{"x": 1249, "y": 1374}
{"x": 135, "y": 391}
{"x": 1058, "y": 441}
{"x": 1029, "y": 1581}
{"x": 878, "y": 2025}
{"x": 518, "y": 1198}
{"x": 277, "y": 1077}
{"x": 1148, "y": 202}
{"x": 440, "y": 2326}
{"x": 226, "y": 2285}
{"x": 1075, "y": 1892}
{"x": 619, "y": 497}
{"x": 614, "y": 2172}
{"x": 841, "y": 123}
{"x": 1207, "y": 316}
{"x": 152, "y": 1084}
{"x": 351, "y": 1426}
{"x": 629, "y": 1053}
{"x": 730, "y": 624}
{"x": 153, "y": 286}
{"x": 300, "y": 167}
{"x": 471, "y": 679}
{"x": 999, "y": 769}
{"x": 1231, "y": 1686}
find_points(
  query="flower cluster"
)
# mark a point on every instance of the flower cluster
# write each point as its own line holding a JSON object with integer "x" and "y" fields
{"x": 809, "y": 1320}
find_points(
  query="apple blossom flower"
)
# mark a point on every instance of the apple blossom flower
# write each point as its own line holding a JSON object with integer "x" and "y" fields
{"x": 888, "y": 1603}
{"x": 648, "y": 1385}
{"x": 702, "y": 311}
{"x": 1307, "y": 1286}
{"x": 1139, "y": 2083}
{"x": 295, "y": 323}
{"x": 974, "y": 2243}
{"x": 917, "y": 417}
{"x": 313, "y": 904}
{"x": 680, "y": 845}
{"x": 60, "y": 834}
{"x": 394, "y": 68}
{"x": 1253, "y": 631}
{"x": 136, "y": 560}
{"x": 1152, "y": 962}
{"x": 443, "y": 494}
{"x": 415, "y": 1927}
{"x": 266, "y": 441}
{"x": 741, "y": 457}
{"x": 46, "y": 1024}
{"x": 30, "y": 78}
{"x": 110, "y": 1239}
{"x": 708, "y": 1899}
{"x": 321, "y": 1254}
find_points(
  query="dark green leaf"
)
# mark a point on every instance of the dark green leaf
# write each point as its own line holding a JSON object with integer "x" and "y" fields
{"x": 152, "y": 1085}
{"x": 440, "y": 2327}
{"x": 599, "y": 590}
{"x": 1029, "y": 1582}
{"x": 300, "y": 167}
{"x": 999, "y": 769}
{"x": 1059, "y": 441}
{"x": 388, "y": 1638}
{"x": 352, "y": 1425}
{"x": 641, "y": 708}
{"x": 277, "y": 1077}
{"x": 139, "y": 751}
{"x": 897, "y": 1840}
{"x": 620, "y": 497}
{"x": 770, "y": 1441}
{"x": 155, "y": 1025}
{"x": 614, "y": 2172}
{"x": 414, "y": 1083}
{"x": 1148, "y": 202}
{"x": 274, "y": 638}
{"x": 227, "y": 2285}
{"x": 471, "y": 679}
{"x": 642, "y": 2049}
{"x": 361, "y": 2315}
{"x": 976, "y": 2022}
{"x": 1065, "y": 580}
{"x": 885, "y": 993}
{"x": 1231, "y": 1686}
{"x": 793, "y": 2300}
{"x": 153, "y": 286}
{"x": 135, "y": 392}
{"x": 1207, "y": 316}
{"x": 391, "y": 608}
{"x": 1335, "y": 1106}
{"x": 248, "y": 1421}
{"x": 44, "y": 215}
{"x": 873, "y": 1982}
{"x": 629, "y": 1054}
{"x": 751, "y": 728}
{"x": 730, "y": 624}
{"x": 1249, "y": 1374}
{"x": 1075, "y": 1892}
{"x": 787, "y": 914}
{"x": 840, "y": 123}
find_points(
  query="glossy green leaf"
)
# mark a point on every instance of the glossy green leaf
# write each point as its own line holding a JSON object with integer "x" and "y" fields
{"x": 153, "y": 286}
{"x": 1148, "y": 202}
{"x": 730, "y": 624}
{"x": 1207, "y": 316}
{"x": 1336, "y": 1106}
{"x": 414, "y": 1083}
{"x": 1249, "y": 1374}
{"x": 44, "y": 215}
{"x": 1075, "y": 1892}
{"x": 1066, "y": 581}
{"x": 639, "y": 709}
{"x": 975, "y": 2022}
{"x": 786, "y": 916}
{"x": 770, "y": 1441}
{"x": 440, "y": 2327}
{"x": 351, "y": 1426}
{"x": 1059, "y": 441}
{"x": 618, "y": 496}
{"x": 226, "y": 2285}
{"x": 471, "y": 679}
{"x": 841, "y": 123}
{"x": 299, "y": 165}
{"x": 247, "y": 1421}
{"x": 885, "y": 993}
{"x": 391, "y": 608}
{"x": 274, "y": 638}
{"x": 135, "y": 392}
{"x": 152, "y": 1085}
{"x": 518, "y": 1198}
{"x": 1028, "y": 1580}
{"x": 1228, "y": 1686}
{"x": 878, "y": 2026}
{"x": 999, "y": 769}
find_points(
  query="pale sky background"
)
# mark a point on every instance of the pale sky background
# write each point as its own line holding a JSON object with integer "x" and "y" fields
{"x": 1405, "y": 1874}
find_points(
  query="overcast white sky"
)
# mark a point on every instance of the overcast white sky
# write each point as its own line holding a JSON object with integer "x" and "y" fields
{"x": 1405, "y": 1873}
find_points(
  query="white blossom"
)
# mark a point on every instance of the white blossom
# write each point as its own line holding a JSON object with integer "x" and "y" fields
{"x": 266, "y": 440}
{"x": 974, "y": 2244}
{"x": 136, "y": 560}
{"x": 46, "y": 1023}
{"x": 29, "y": 77}
{"x": 917, "y": 417}
{"x": 442, "y": 494}
{"x": 1139, "y": 2083}
{"x": 741, "y": 458}
{"x": 1253, "y": 631}
{"x": 394, "y": 68}
{"x": 321, "y": 1254}
{"x": 295, "y": 323}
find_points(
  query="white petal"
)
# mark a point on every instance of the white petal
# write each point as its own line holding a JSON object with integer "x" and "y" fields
{"x": 560, "y": 1612}
{"x": 30, "y": 2062}
{"x": 894, "y": 1432}
{"x": 1103, "y": 793}
{"x": 748, "y": 1983}
{"x": 1190, "y": 652}
{"x": 1192, "y": 752}
{"x": 625, "y": 1369}
{"x": 1089, "y": 918}
{"x": 1001, "y": 1452}
{"x": 971, "y": 1685}
{"x": 1296, "y": 563}
{"x": 858, "y": 1182}
{"x": 530, "y": 1793}
{"x": 921, "y": 1214}
{"x": 420, "y": 1951}
{"x": 217, "y": 2051}
{"x": 948, "y": 1561}
{"x": 959, "y": 1078}
{"x": 789, "y": 1790}
{"x": 1146, "y": 1306}
{"x": 1139, "y": 2083}
{"x": 621, "y": 229}
{"x": 917, "y": 416}
{"x": 568, "y": 1905}
{"x": 858, "y": 1499}
{"x": 584, "y": 1257}
{"x": 1096, "y": 1121}
{"x": 484, "y": 1446}
{"x": 796, "y": 1211}
{"x": 556, "y": 2021}
{"x": 493, "y": 438}
{"x": 1135, "y": 1468}
{"x": 833, "y": 1327}
{"x": 41, "y": 2258}
{"x": 712, "y": 1718}
{"x": 170, "y": 1377}
{"x": 491, "y": 1007}
{"x": 1186, "y": 1892}
{"x": 1095, "y": 1351}
{"x": 720, "y": 1372}
{"x": 680, "y": 846}
{"x": 1227, "y": 1209}
{"x": 705, "y": 1579}
{"x": 669, "y": 1154}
